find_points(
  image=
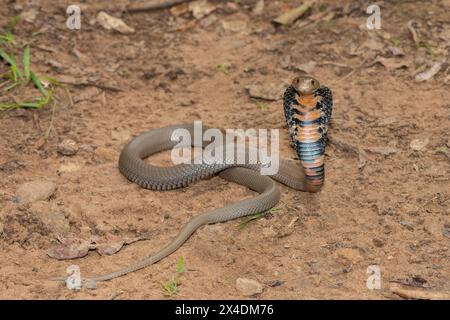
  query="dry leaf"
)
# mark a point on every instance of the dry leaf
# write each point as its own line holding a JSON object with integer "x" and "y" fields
{"x": 390, "y": 64}
{"x": 69, "y": 248}
{"x": 259, "y": 8}
{"x": 292, "y": 15}
{"x": 179, "y": 10}
{"x": 430, "y": 73}
{"x": 201, "y": 8}
{"x": 109, "y": 22}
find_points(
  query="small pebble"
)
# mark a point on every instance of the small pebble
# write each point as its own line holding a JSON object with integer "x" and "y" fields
{"x": 37, "y": 190}
{"x": 249, "y": 287}
{"x": 67, "y": 147}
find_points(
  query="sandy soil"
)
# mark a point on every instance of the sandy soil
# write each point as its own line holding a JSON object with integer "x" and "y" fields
{"x": 386, "y": 197}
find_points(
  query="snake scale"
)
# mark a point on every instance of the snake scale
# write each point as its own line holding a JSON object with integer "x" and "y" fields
{"x": 307, "y": 110}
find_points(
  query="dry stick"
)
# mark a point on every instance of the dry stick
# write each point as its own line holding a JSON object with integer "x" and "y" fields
{"x": 4, "y": 84}
{"x": 92, "y": 84}
{"x": 418, "y": 293}
{"x": 351, "y": 72}
{"x": 69, "y": 96}
{"x": 413, "y": 32}
{"x": 50, "y": 125}
{"x": 154, "y": 5}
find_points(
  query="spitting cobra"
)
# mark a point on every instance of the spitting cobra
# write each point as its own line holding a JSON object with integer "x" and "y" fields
{"x": 307, "y": 110}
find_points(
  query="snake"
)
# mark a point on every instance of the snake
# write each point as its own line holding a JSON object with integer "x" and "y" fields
{"x": 307, "y": 110}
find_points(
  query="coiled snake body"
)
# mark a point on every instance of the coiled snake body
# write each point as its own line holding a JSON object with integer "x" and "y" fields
{"x": 307, "y": 107}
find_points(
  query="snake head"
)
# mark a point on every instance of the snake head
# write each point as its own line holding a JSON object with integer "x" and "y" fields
{"x": 305, "y": 85}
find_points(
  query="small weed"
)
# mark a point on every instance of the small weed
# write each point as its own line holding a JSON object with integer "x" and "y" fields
{"x": 257, "y": 216}
{"x": 224, "y": 67}
{"x": 18, "y": 76}
{"x": 396, "y": 41}
{"x": 172, "y": 285}
{"x": 263, "y": 106}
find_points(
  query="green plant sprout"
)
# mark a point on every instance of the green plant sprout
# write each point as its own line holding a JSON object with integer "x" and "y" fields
{"x": 16, "y": 76}
{"x": 256, "y": 216}
{"x": 172, "y": 285}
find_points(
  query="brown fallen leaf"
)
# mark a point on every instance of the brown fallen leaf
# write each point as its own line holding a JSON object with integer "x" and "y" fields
{"x": 290, "y": 16}
{"x": 266, "y": 91}
{"x": 110, "y": 243}
{"x": 390, "y": 63}
{"x": 73, "y": 248}
{"x": 69, "y": 248}
{"x": 201, "y": 8}
{"x": 430, "y": 73}
{"x": 109, "y": 22}
{"x": 179, "y": 10}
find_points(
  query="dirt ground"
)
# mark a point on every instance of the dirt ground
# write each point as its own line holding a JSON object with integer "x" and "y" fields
{"x": 386, "y": 199}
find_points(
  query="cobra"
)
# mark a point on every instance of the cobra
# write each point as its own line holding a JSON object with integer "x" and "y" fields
{"x": 307, "y": 109}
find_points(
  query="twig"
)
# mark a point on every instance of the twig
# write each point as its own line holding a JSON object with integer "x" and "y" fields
{"x": 344, "y": 146}
{"x": 351, "y": 72}
{"x": 92, "y": 84}
{"x": 69, "y": 96}
{"x": 154, "y": 5}
{"x": 337, "y": 64}
{"x": 114, "y": 295}
{"x": 418, "y": 293}
{"x": 50, "y": 125}
{"x": 413, "y": 32}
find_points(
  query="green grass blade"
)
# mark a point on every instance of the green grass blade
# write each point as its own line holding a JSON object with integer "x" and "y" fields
{"x": 6, "y": 57}
{"x": 15, "y": 69}
{"x": 180, "y": 264}
{"x": 26, "y": 63}
{"x": 54, "y": 82}
{"x": 36, "y": 105}
{"x": 38, "y": 83}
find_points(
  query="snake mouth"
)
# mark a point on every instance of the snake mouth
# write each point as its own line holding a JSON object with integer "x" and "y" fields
{"x": 305, "y": 85}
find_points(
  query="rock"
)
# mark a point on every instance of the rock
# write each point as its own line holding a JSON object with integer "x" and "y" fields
{"x": 52, "y": 217}
{"x": 234, "y": 25}
{"x": 201, "y": 8}
{"x": 120, "y": 134}
{"x": 69, "y": 167}
{"x": 103, "y": 154}
{"x": 346, "y": 255}
{"x": 249, "y": 287}
{"x": 258, "y": 9}
{"x": 109, "y": 22}
{"x": 267, "y": 91}
{"x": 419, "y": 144}
{"x": 377, "y": 242}
{"x": 67, "y": 147}
{"x": 37, "y": 190}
